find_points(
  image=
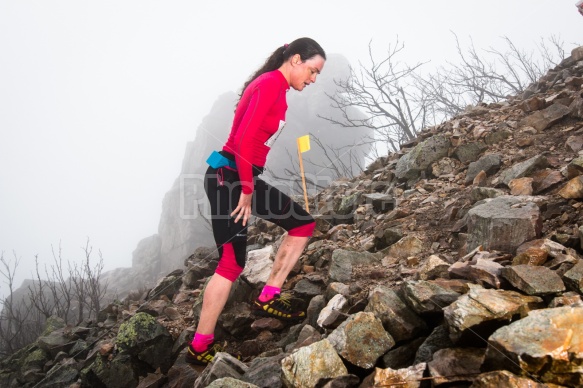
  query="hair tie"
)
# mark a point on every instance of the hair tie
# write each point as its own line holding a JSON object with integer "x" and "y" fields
{"x": 285, "y": 46}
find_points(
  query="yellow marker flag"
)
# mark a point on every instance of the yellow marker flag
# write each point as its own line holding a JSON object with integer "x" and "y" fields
{"x": 303, "y": 146}
{"x": 304, "y": 143}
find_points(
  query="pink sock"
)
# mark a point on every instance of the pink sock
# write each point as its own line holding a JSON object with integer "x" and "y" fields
{"x": 268, "y": 293}
{"x": 201, "y": 342}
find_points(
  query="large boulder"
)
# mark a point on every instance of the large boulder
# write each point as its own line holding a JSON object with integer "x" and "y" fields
{"x": 147, "y": 340}
{"x": 546, "y": 345}
{"x": 524, "y": 169}
{"x": 303, "y": 368}
{"x": 361, "y": 340}
{"x": 543, "y": 119}
{"x": 223, "y": 366}
{"x": 503, "y": 223}
{"x": 481, "y": 311}
{"x": 419, "y": 159}
{"x": 398, "y": 319}
{"x": 343, "y": 260}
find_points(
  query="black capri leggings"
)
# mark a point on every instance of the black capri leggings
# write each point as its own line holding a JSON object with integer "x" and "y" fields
{"x": 223, "y": 189}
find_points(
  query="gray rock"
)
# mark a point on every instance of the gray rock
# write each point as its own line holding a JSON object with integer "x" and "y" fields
{"x": 524, "y": 169}
{"x": 445, "y": 166}
{"x": 543, "y": 119}
{"x": 574, "y": 143}
{"x": 575, "y": 168}
{"x": 307, "y": 288}
{"x": 181, "y": 374}
{"x": 331, "y": 313}
{"x": 577, "y": 53}
{"x": 258, "y": 266}
{"x": 61, "y": 376}
{"x": 481, "y": 271}
{"x": 503, "y": 378}
{"x": 566, "y": 299}
{"x": 534, "y": 280}
{"x": 59, "y": 340}
{"x": 434, "y": 267}
{"x": 481, "y": 311}
{"x": 199, "y": 271}
{"x": 574, "y": 277}
{"x": 346, "y": 381}
{"x": 398, "y": 319}
{"x": 223, "y": 365}
{"x": 381, "y": 203}
{"x": 361, "y": 340}
{"x": 343, "y": 260}
{"x": 229, "y": 382}
{"x": 416, "y": 161}
{"x": 405, "y": 247}
{"x": 490, "y": 164}
{"x": 406, "y": 377}
{"x": 335, "y": 288}
{"x": 387, "y": 236}
{"x": 427, "y": 297}
{"x": 497, "y": 137}
{"x": 503, "y": 223}
{"x": 315, "y": 306}
{"x": 168, "y": 285}
{"x": 461, "y": 364}
{"x": 265, "y": 372}
{"x": 117, "y": 373}
{"x": 143, "y": 337}
{"x": 469, "y": 152}
{"x": 480, "y": 193}
{"x": 153, "y": 380}
{"x": 305, "y": 367}
{"x": 437, "y": 340}
{"x": 154, "y": 307}
{"x": 545, "y": 345}
{"x": 344, "y": 213}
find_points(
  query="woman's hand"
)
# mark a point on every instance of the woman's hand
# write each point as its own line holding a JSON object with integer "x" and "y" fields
{"x": 243, "y": 209}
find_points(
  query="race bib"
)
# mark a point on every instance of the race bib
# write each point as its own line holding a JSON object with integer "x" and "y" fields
{"x": 273, "y": 138}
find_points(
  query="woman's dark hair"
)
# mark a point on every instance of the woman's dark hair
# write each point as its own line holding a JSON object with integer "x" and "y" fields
{"x": 306, "y": 47}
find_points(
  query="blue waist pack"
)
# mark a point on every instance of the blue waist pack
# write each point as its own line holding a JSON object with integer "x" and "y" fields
{"x": 216, "y": 160}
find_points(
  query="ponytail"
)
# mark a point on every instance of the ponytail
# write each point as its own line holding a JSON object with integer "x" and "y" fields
{"x": 307, "y": 48}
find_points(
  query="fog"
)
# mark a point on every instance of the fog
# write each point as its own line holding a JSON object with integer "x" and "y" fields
{"x": 98, "y": 99}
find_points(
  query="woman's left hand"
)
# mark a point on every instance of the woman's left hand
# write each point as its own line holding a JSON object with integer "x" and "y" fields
{"x": 243, "y": 209}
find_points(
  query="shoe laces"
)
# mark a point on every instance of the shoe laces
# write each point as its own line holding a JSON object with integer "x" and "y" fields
{"x": 284, "y": 300}
{"x": 216, "y": 348}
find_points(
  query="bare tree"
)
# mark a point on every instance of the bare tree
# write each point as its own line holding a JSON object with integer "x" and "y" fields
{"x": 72, "y": 291}
{"x": 489, "y": 75}
{"x": 399, "y": 99}
{"x": 385, "y": 92}
{"x": 19, "y": 321}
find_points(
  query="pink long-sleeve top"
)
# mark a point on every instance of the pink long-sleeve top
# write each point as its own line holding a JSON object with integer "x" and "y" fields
{"x": 259, "y": 115}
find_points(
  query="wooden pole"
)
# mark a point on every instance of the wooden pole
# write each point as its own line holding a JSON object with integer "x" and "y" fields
{"x": 303, "y": 178}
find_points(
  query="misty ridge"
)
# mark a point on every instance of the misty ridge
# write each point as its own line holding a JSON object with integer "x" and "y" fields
{"x": 355, "y": 116}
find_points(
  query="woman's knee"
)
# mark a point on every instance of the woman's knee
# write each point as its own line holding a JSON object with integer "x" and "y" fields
{"x": 228, "y": 266}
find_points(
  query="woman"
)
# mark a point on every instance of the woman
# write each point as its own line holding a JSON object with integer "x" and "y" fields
{"x": 235, "y": 191}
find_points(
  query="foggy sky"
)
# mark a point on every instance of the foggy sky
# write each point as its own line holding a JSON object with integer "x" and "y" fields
{"x": 98, "y": 99}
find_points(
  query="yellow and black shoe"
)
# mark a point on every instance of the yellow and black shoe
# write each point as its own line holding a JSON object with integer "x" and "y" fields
{"x": 202, "y": 358}
{"x": 279, "y": 307}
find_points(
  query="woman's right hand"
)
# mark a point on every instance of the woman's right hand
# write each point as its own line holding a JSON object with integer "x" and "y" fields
{"x": 243, "y": 209}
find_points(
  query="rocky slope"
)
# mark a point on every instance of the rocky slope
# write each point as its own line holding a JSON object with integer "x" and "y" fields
{"x": 456, "y": 262}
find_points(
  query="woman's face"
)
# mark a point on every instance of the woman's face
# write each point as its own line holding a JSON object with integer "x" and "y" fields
{"x": 305, "y": 73}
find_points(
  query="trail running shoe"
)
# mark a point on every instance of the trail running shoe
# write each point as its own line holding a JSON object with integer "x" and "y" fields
{"x": 202, "y": 358}
{"x": 279, "y": 307}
